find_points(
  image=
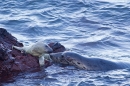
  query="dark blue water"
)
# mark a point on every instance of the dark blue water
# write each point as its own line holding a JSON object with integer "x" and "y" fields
{"x": 92, "y": 28}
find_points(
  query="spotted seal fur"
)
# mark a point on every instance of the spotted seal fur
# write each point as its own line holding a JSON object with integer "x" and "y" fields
{"x": 81, "y": 62}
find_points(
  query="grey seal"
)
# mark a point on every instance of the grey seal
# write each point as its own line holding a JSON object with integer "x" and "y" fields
{"x": 37, "y": 49}
{"x": 81, "y": 62}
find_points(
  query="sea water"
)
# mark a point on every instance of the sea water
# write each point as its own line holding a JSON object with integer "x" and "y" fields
{"x": 92, "y": 28}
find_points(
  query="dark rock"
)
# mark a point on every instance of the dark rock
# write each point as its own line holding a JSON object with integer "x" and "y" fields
{"x": 13, "y": 62}
{"x": 57, "y": 47}
{"x": 3, "y": 54}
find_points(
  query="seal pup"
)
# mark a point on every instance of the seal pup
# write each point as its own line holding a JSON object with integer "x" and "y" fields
{"x": 36, "y": 49}
{"x": 81, "y": 62}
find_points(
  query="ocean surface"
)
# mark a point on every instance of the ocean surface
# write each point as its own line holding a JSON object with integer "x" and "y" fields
{"x": 92, "y": 28}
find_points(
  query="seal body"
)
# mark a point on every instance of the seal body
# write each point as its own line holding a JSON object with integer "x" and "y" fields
{"x": 81, "y": 62}
{"x": 37, "y": 49}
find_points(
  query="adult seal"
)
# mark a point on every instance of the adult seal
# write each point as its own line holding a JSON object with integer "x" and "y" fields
{"x": 81, "y": 62}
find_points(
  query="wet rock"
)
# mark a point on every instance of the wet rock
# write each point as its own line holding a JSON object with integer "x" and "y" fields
{"x": 13, "y": 62}
{"x": 57, "y": 47}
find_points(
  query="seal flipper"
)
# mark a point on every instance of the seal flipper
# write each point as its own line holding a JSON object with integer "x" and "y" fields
{"x": 41, "y": 61}
{"x": 19, "y": 48}
{"x": 45, "y": 60}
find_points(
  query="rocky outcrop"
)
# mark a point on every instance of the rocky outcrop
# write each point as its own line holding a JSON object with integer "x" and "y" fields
{"x": 13, "y": 61}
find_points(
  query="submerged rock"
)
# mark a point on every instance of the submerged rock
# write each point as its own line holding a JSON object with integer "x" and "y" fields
{"x": 12, "y": 61}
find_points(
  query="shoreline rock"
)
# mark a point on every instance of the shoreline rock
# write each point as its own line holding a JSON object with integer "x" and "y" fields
{"x": 13, "y": 62}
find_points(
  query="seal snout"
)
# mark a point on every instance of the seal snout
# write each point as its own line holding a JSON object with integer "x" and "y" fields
{"x": 55, "y": 56}
{"x": 49, "y": 50}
